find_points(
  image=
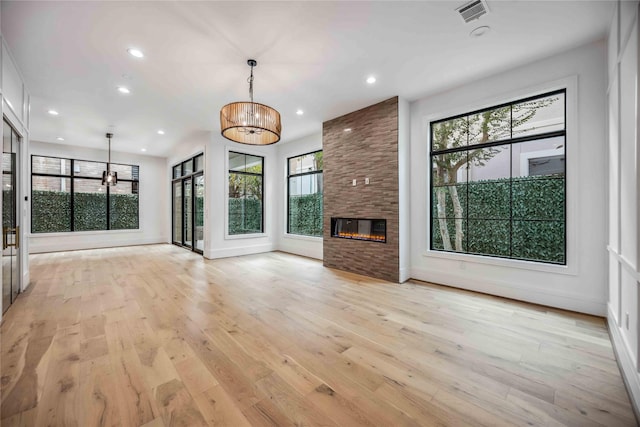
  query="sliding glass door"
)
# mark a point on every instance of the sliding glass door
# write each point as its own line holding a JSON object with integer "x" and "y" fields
{"x": 198, "y": 183}
{"x": 10, "y": 218}
{"x": 187, "y": 208}
{"x": 188, "y": 204}
{"x": 177, "y": 212}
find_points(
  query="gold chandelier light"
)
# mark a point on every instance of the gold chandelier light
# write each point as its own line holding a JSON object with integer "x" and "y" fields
{"x": 249, "y": 122}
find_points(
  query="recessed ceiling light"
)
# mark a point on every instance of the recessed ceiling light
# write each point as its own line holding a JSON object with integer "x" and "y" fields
{"x": 347, "y": 130}
{"x": 160, "y": 132}
{"x": 143, "y": 149}
{"x": 371, "y": 80}
{"x": 53, "y": 112}
{"x": 124, "y": 90}
{"x": 480, "y": 31}
{"x": 135, "y": 52}
{"x": 60, "y": 138}
{"x": 299, "y": 112}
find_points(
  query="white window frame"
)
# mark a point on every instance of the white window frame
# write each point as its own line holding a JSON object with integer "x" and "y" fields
{"x": 241, "y": 150}
{"x": 572, "y": 155}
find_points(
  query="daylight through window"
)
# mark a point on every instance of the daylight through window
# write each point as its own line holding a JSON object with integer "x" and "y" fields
{"x": 245, "y": 193}
{"x": 304, "y": 202}
{"x": 498, "y": 181}
{"x": 68, "y": 195}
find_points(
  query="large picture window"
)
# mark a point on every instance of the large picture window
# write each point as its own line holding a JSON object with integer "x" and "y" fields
{"x": 68, "y": 195}
{"x": 498, "y": 181}
{"x": 245, "y": 193}
{"x": 304, "y": 202}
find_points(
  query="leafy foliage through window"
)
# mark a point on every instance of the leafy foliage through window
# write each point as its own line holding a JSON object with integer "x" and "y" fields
{"x": 304, "y": 203}
{"x": 68, "y": 195}
{"x": 498, "y": 181}
{"x": 245, "y": 193}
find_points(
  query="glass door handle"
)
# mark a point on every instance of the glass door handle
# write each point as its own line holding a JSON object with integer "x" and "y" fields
{"x": 5, "y": 233}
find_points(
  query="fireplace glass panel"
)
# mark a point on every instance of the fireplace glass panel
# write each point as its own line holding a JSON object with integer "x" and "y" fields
{"x": 374, "y": 230}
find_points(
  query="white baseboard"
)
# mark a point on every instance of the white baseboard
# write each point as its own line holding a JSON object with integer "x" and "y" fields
{"x": 243, "y": 250}
{"x": 72, "y": 243}
{"x": 309, "y": 249}
{"x": 627, "y": 366}
{"x": 573, "y": 302}
{"x": 404, "y": 275}
{"x": 26, "y": 277}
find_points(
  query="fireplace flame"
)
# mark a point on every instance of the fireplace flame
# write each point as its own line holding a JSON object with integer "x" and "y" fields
{"x": 358, "y": 236}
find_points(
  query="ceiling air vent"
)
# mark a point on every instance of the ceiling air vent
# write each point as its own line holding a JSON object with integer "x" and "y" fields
{"x": 473, "y": 10}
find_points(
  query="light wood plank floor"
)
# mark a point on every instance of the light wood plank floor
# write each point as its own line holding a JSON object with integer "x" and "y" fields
{"x": 158, "y": 336}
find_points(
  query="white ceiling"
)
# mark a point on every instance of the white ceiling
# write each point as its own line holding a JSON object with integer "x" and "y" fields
{"x": 311, "y": 55}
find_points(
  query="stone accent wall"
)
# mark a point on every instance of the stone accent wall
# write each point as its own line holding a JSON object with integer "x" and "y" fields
{"x": 368, "y": 150}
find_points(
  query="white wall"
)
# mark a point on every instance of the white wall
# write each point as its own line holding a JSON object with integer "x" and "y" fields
{"x": 300, "y": 245}
{"x": 404, "y": 188}
{"x": 154, "y": 213}
{"x": 15, "y": 107}
{"x": 187, "y": 148}
{"x": 580, "y": 285}
{"x": 624, "y": 179}
{"x": 218, "y": 244}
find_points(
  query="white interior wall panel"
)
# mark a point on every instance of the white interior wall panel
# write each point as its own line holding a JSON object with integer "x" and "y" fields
{"x": 614, "y": 166}
{"x": 628, "y": 183}
{"x": 614, "y": 289}
{"x": 623, "y": 178}
{"x": 629, "y": 300}
{"x": 12, "y": 87}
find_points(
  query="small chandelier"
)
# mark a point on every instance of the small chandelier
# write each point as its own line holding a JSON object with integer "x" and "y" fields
{"x": 250, "y": 122}
{"x": 109, "y": 177}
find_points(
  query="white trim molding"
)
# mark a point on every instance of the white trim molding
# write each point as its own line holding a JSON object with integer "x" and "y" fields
{"x": 513, "y": 290}
{"x": 627, "y": 367}
{"x": 572, "y": 155}
{"x": 244, "y": 250}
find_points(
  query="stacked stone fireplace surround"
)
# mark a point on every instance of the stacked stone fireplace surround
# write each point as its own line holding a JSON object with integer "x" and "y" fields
{"x": 360, "y": 145}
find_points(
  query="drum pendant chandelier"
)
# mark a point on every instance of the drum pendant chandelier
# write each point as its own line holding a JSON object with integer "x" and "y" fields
{"x": 249, "y": 122}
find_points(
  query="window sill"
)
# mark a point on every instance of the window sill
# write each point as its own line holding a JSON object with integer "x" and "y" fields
{"x": 503, "y": 262}
{"x": 84, "y": 233}
{"x": 303, "y": 237}
{"x": 245, "y": 236}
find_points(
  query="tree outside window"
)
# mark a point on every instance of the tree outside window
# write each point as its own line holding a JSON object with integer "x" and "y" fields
{"x": 304, "y": 188}
{"x": 245, "y": 193}
{"x": 487, "y": 196}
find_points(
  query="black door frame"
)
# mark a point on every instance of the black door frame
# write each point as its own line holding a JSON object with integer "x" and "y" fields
{"x": 182, "y": 179}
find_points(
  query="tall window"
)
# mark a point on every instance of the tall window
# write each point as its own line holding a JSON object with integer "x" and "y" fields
{"x": 245, "y": 193}
{"x": 68, "y": 195}
{"x": 188, "y": 203}
{"x": 498, "y": 181}
{"x": 304, "y": 202}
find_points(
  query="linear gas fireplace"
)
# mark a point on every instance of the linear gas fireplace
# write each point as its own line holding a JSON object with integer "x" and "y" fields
{"x": 374, "y": 230}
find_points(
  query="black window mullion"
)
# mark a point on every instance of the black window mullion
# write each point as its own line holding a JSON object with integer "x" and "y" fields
{"x": 297, "y": 175}
{"x": 73, "y": 196}
{"x": 505, "y": 104}
{"x": 288, "y": 204}
{"x": 72, "y": 176}
{"x": 244, "y": 175}
{"x": 262, "y": 196}
{"x": 511, "y": 183}
{"x": 466, "y": 211}
{"x": 511, "y": 141}
{"x": 466, "y": 208}
{"x": 108, "y": 207}
{"x": 498, "y": 143}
